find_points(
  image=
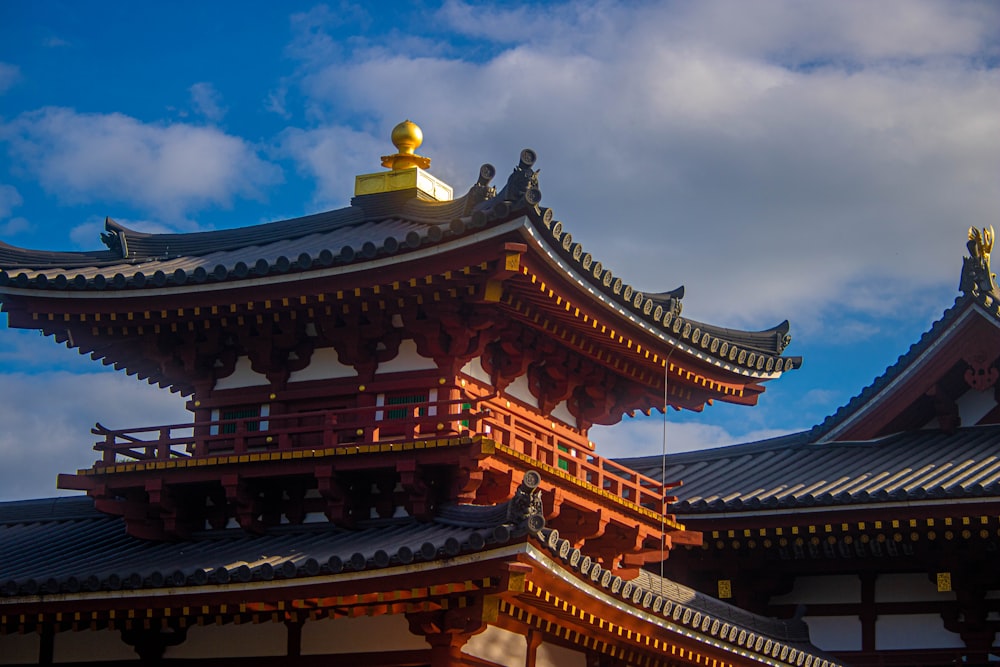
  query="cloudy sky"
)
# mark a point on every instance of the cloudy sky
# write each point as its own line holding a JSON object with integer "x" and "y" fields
{"x": 819, "y": 162}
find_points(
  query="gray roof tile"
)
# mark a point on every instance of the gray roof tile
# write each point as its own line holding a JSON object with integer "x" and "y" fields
{"x": 795, "y": 471}
{"x": 373, "y": 226}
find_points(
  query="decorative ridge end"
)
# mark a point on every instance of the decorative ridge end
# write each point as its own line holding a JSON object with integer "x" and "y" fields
{"x": 520, "y": 193}
{"x": 525, "y": 508}
{"x": 114, "y": 237}
{"x": 481, "y": 191}
{"x": 977, "y": 277}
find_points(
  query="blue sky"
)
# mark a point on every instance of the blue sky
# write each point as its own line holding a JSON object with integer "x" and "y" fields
{"x": 819, "y": 162}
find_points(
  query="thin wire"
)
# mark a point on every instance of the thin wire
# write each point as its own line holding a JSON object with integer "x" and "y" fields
{"x": 663, "y": 466}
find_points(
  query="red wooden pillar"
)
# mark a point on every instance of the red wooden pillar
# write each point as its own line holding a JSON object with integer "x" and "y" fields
{"x": 447, "y": 631}
{"x": 446, "y": 648}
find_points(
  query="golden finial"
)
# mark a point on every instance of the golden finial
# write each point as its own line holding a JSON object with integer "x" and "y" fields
{"x": 976, "y": 274}
{"x": 981, "y": 242}
{"x": 406, "y": 137}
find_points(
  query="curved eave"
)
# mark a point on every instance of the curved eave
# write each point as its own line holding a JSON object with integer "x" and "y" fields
{"x": 134, "y": 247}
{"x": 964, "y": 307}
{"x": 347, "y": 242}
{"x": 651, "y": 603}
{"x": 671, "y": 331}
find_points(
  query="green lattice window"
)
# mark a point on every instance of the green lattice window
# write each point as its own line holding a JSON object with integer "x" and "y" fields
{"x": 563, "y": 463}
{"x": 408, "y": 399}
{"x": 241, "y": 412}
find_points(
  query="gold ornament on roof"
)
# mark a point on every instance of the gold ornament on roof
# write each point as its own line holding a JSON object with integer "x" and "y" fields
{"x": 406, "y": 137}
{"x": 981, "y": 242}
{"x": 977, "y": 276}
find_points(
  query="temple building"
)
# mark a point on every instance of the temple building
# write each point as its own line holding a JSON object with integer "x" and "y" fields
{"x": 388, "y": 459}
{"x": 882, "y": 524}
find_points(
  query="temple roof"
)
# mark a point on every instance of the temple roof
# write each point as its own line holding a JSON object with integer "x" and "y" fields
{"x": 964, "y": 306}
{"x": 979, "y": 301}
{"x": 393, "y": 226}
{"x": 37, "y": 535}
{"x": 795, "y": 471}
{"x": 914, "y": 449}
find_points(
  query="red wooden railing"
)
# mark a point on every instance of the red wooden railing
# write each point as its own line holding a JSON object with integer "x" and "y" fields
{"x": 536, "y": 437}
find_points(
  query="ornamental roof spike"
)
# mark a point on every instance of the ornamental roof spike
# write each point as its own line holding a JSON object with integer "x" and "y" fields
{"x": 407, "y": 173}
{"x": 977, "y": 277}
{"x": 406, "y": 137}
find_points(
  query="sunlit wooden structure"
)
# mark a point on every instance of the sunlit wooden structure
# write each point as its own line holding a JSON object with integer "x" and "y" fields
{"x": 391, "y": 408}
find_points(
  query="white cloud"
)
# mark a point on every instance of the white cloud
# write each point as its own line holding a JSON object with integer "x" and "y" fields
{"x": 10, "y": 198}
{"x": 163, "y": 169}
{"x": 852, "y": 31}
{"x": 333, "y": 156}
{"x": 207, "y": 101}
{"x": 14, "y": 226}
{"x": 9, "y": 75}
{"x": 42, "y": 437}
{"x": 645, "y": 437}
{"x": 277, "y": 101}
{"x": 781, "y": 158}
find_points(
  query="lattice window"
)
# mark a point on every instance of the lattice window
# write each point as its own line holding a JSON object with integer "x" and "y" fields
{"x": 251, "y": 413}
{"x": 408, "y": 399}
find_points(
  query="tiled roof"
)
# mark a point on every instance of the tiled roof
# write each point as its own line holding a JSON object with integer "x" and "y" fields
{"x": 64, "y": 546}
{"x": 374, "y": 227}
{"x": 986, "y": 301}
{"x": 75, "y": 548}
{"x": 882, "y": 381}
{"x": 795, "y": 471}
{"x": 785, "y": 640}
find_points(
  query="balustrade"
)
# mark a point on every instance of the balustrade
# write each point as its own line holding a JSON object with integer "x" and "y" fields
{"x": 534, "y": 436}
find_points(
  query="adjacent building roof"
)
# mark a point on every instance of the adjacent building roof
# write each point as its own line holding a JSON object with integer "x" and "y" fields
{"x": 797, "y": 472}
{"x": 980, "y": 295}
{"x": 819, "y": 468}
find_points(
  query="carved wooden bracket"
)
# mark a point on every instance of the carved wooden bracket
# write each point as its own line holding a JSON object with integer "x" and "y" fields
{"x": 945, "y": 409}
{"x": 451, "y": 332}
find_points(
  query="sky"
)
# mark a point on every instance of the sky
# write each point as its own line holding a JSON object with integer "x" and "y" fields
{"x": 819, "y": 162}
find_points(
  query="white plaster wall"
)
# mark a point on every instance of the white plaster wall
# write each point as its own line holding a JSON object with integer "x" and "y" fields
{"x": 19, "y": 648}
{"x": 835, "y": 633}
{"x": 561, "y": 413}
{"x": 323, "y": 365}
{"x": 831, "y": 589}
{"x": 242, "y": 376}
{"x": 407, "y": 360}
{"x": 90, "y": 646}
{"x": 359, "y": 635}
{"x": 908, "y": 588}
{"x": 550, "y": 655}
{"x": 972, "y": 406}
{"x": 474, "y": 369}
{"x": 914, "y": 631}
{"x": 498, "y": 645}
{"x": 519, "y": 389}
{"x": 233, "y": 641}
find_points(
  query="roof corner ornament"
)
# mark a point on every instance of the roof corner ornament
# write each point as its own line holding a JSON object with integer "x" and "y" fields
{"x": 977, "y": 277}
{"x": 783, "y": 336}
{"x": 481, "y": 191}
{"x": 521, "y": 192}
{"x": 114, "y": 238}
{"x": 525, "y": 508}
